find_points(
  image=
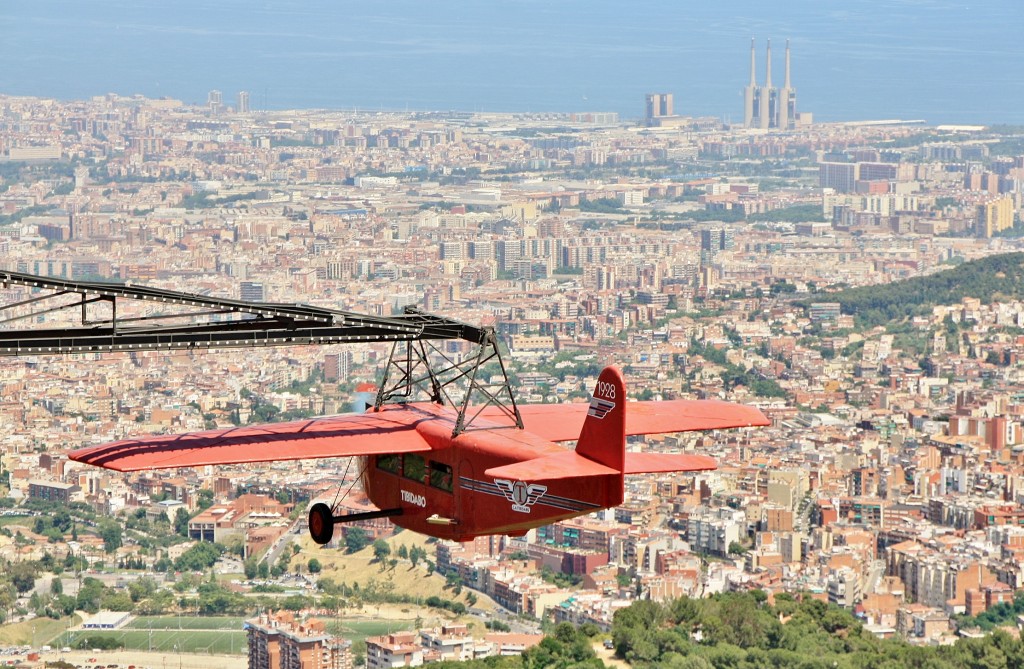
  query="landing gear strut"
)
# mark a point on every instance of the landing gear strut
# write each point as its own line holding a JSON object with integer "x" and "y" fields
{"x": 322, "y": 520}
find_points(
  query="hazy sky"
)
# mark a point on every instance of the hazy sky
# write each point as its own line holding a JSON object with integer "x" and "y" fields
{"x": 935, "y": 59}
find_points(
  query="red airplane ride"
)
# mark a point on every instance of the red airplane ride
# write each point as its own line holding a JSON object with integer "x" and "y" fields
{"x": 425, "y": 474}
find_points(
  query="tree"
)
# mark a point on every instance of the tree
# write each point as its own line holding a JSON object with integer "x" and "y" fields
{"x": 181, "y": 519}
{"x": 89, "y": 595}
{"x": 250, "y": 567}
{"x": 381, "y": 550}
{"x": 294, "y": 603}
{"x": 8, "y": 596}
{"x": 62, "y": 520}
{"x": 23, "y": 575}
{"x": 314, "y": 566}
{"x": 356, "y": 539}
{"x": 110, "y": 532}
{"x": 141, "y": 589}
{"x": 216, "y": 599}
{"x": 566, "y": 647}
{"x": 235, "y": 545}
{"x": 205, "y": 498}
{"x": 198, "y": 557}
{"x": 116, "y": 600}
{"x": 158, "y": 603}
{"x": 64, "y": 605}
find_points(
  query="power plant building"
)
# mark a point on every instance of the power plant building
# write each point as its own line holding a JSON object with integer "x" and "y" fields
{"x": 767, "y": 107}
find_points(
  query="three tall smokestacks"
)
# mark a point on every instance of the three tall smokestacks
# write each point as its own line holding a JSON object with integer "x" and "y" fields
{"x": 767, "y": 107}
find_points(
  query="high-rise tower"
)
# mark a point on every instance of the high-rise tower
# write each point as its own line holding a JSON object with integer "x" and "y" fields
{"x": 659, "y": 105}
{"x": 660, "y": 111}
{"x": 749, "y": 92}
{"x": 243, "y": 102}
{"x": 215, "y": 101}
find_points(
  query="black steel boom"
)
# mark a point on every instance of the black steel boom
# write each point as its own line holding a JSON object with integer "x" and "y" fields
{"x": 191, "y": 320}
{"x": 178, "y": 320}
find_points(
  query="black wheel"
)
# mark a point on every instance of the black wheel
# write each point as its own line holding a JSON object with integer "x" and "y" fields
{"x": 321, "y": 523}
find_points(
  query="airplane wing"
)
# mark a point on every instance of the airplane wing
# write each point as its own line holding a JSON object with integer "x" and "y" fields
{"x": 563, "y": 422}
{"x": 326, "y": 437}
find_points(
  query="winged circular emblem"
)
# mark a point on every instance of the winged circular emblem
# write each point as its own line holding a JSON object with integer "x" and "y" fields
{"x": 522, "y": 495}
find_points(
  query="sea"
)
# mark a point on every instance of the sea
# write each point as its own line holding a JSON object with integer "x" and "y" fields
{"x": 941, "y": 61}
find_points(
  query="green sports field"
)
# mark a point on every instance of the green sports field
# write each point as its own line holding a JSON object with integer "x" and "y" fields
{"x": 358, "y": 630}
{"x": 173, "y": 634}
{"x": 186, "y": 623}
{"x": 185, "y": 641}
{"x": 218, "y": 635}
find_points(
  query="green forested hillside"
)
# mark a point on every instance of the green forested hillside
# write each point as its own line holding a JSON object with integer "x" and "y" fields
{"x": 744, "y": 631}
{"x": 998, "y": 277}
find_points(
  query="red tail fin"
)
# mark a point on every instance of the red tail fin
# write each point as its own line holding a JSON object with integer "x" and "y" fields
{"x": 600, "y": 451}
{"x": 603, "y": 438}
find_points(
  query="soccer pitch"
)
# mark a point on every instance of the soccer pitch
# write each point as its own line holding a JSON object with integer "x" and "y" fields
{"x": 358, "y": 630}
{"x": 168, "y": 634}
{"x": 186, "y": 623}
{"x": 217, "y": 635}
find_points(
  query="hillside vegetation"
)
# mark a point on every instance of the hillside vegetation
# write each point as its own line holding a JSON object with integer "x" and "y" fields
{"x": 990, "y": 279}
{"x": 744, "y": 631}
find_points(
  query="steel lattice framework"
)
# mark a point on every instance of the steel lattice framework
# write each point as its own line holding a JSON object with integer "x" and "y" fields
{"x": 180, "y": 320}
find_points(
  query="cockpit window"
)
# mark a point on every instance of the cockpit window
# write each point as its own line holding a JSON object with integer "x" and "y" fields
{"x": 390, "y": 463}
{"x": 415, "y": 467}
{"x": 441, "y": 476}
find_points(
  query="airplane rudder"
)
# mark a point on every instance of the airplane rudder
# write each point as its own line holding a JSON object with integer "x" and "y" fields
{"x": 603, "y": 438}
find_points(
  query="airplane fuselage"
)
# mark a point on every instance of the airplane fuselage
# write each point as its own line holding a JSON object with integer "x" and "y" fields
{"x": 491, "y": 479}
{"x": 445, "y": 493}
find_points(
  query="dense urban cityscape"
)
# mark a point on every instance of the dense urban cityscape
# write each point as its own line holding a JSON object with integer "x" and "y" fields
{"x": 702, "y": 259}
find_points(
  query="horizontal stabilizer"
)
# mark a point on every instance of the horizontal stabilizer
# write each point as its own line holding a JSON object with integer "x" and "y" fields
{"x": 551, "y": 467}
{"x": 563, "y": 422}
{"x": 327, "y": 437}
{"x": 570, "y": 464}
{"x": 650, "y": 463}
